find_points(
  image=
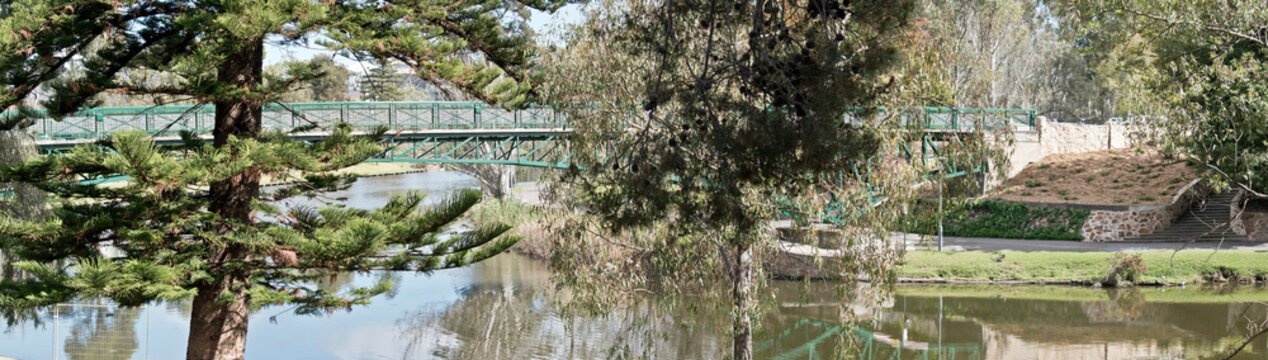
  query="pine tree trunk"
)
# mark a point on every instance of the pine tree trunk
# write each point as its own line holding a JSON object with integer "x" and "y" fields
{"x": 218, "y": 326}
{"x": 218, "y": 330}
{"x": 741, "y": 289}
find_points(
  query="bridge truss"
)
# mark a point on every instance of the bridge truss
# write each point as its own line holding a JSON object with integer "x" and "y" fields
{"x": 470, "y": 132}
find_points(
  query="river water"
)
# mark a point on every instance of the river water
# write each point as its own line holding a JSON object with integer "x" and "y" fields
{"x": 503, "y": 309}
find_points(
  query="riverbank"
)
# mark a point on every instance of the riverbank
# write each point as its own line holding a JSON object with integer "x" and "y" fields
{"x": 1073, "y": 263}
{"x": 1214, "y": 294}
{"x": 1081, "y": 268}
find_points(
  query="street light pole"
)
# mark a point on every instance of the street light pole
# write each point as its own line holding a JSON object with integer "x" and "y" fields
{"x": 940, "y": 215}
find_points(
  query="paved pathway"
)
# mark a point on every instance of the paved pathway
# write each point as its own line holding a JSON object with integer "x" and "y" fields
{"x": 992, "y": 244}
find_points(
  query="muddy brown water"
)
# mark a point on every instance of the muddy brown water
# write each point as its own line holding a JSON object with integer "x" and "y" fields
{"x": 503, "y": 309}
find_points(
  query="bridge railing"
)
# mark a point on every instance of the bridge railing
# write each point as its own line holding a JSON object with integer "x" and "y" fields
{"x": 101, "y": 122}
{"x": 963, "y": 119}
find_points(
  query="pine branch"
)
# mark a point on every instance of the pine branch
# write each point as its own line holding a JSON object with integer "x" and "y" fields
{"x": 470, "y": 240}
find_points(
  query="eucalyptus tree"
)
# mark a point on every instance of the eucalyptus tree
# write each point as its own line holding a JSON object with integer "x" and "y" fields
{"x": 192, "y": 220}
{"x": 1007, "y": 54}
{"x": 707, "y": 119}
{"x": 1203, "y": 64}
{"x": 331, "y": 86}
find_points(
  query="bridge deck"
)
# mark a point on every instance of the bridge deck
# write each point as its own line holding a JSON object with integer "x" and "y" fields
{"x": 403, "y": 134}
{"x": 446, "y": 132}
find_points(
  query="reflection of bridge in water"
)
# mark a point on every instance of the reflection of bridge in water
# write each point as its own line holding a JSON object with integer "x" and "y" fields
{"x": 887, "y": 331}
{"x": 864, "y": 344}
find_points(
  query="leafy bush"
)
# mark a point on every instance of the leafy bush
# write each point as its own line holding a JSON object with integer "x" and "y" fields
{"x": 992, "y": 218}
{"x": 1123, "y": 266}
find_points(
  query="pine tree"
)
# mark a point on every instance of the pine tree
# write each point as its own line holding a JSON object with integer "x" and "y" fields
{"x": 190, "y": 220}
{"x": 716, "y": 114}
{"x": 382, "y": 83}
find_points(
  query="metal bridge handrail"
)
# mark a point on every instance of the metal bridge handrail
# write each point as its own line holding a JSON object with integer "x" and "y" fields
{"x": 100, "y": 122}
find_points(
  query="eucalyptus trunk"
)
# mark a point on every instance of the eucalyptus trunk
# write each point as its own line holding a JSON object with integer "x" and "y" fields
{"x": 218, "y": 324}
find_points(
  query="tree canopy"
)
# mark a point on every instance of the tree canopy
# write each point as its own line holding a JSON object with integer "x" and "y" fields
{"x": 705, "y": 119}
{"x": 1200, "y": 67}
{"x": 329, "y": 85}
{"x": 193, "y": 219}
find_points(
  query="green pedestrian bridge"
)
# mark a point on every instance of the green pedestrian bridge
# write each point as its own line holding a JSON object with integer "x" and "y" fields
{"x": 450, "y": 132}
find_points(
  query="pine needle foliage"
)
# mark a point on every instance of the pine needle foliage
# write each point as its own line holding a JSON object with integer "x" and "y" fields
{"x": 158, "y": 221}
{"x": 194, "y": 220}
{"x": 41, "y": 39}
{"x": 707, "y": 119}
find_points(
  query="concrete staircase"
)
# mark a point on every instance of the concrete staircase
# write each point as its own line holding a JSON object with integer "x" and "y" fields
{"x": 1205, "y": 221}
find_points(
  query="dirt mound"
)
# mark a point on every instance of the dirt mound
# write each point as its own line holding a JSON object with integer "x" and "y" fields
{"x": 1107, "y": 177}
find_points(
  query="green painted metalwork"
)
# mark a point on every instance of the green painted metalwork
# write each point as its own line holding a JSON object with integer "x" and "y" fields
{"x": 438, "y": 132}
{"x": 159, "y": 120}
{"x": 461, "y": 132}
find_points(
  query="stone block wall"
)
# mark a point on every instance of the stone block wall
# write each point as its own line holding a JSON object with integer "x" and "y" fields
{"x": 1116, "y": 223}
{"x": 1254, "y": 225}
{"x": 1061, "y": 138}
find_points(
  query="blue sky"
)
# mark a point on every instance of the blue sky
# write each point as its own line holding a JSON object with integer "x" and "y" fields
{"x": 549, "y": 27}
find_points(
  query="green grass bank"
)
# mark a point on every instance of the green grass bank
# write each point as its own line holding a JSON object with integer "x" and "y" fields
{"x": 1168, "y": 267}
{"x": 1215, "y": 294}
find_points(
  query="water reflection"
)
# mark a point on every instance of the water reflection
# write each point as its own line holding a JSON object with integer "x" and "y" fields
{"x": 503, "y": 309}
{"x": 100, "y": 332}
{"x": 506, "y": 314}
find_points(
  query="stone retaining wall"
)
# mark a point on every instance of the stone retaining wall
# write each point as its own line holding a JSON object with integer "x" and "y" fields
{"x": 1119, "y": 223}
{"x": 1063, "y": 138}
{"x": 1252, "y": 223}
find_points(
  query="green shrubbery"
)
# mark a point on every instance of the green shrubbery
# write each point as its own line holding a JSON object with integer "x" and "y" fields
{"x": 991, "y": 218}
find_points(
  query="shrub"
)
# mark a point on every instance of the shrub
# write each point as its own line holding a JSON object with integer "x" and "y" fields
{"x": 1123, "y": 266}
{"x": 992, "y": 218}
{"x": 1033, "y": 184}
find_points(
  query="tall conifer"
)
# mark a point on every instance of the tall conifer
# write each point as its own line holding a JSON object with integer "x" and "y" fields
{"x": 190, "y": 223}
